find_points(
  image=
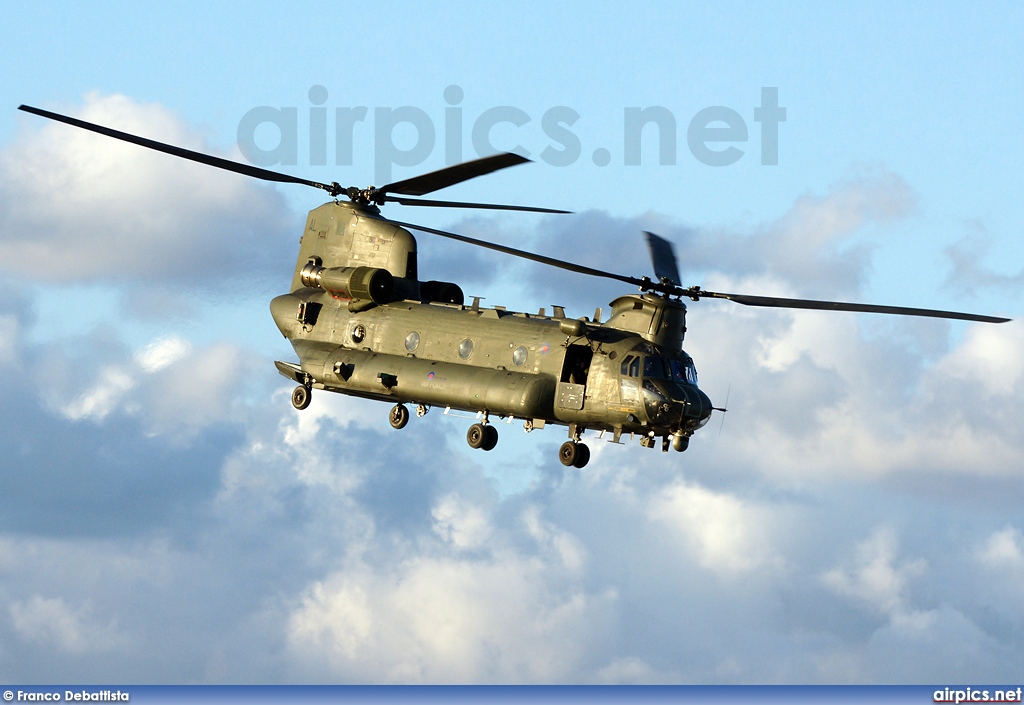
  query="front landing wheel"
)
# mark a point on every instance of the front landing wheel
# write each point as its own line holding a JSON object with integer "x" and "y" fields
{"x": 301, "y": 397}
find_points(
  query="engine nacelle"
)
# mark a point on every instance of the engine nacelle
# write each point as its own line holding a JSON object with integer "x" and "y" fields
{"x": 362, "y": 286}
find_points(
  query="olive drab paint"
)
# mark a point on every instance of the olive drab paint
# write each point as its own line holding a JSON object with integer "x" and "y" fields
{"x": 439, "y": 352}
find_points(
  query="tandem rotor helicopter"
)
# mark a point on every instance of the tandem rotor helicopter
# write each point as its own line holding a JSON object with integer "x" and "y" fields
{"x": 362, "y": 323}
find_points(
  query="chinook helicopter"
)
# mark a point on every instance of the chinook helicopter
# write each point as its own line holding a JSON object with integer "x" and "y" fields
{"x": 362, "y": 323}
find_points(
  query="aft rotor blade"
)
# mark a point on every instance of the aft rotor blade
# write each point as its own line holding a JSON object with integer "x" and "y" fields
{"x": 449, "y": 176}
{"x": 238, "y": 168}
{"x": 663, "y": 257}
{"x": 460, "y": 204}
{"x": 551, "y": 261}
{"x": 774, "y": 302}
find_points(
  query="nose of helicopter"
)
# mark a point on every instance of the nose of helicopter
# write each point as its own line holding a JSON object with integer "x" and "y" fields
{"x": 696, "y": 407}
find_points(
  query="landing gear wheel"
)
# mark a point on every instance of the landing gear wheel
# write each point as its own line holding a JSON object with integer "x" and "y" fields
{"x": 490, "y": 438}
{"x": 399, "y": 416}
{"x": 301, "y": 397}
{"x": 582, "y": 456}
{"x": 476, "y": 435}
{"x": 568, "y": 453}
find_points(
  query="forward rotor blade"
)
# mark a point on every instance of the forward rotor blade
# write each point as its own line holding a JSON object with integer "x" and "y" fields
{"x": 238, "y": 168}
{"x": 774, "y": 302}
{"x": 449, "y": 176}
{"x": 663, "y": 257}
{"x": 460, "y": 204}
{"x": 551, "y": 261}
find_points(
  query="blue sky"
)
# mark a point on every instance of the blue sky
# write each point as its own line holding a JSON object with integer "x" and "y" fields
{"x": 166, "y": 516}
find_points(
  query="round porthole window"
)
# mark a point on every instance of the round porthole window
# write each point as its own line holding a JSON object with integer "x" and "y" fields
{"x": 358, "y": 333}
{"x": 519, "y": 356}
{"x": 412, "y": 341}
{"x": 465, "y": 349}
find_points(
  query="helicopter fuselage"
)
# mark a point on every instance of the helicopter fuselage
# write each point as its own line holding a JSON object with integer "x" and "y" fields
{"x": 626, "y": 375}
{"x": 491, "y": 360}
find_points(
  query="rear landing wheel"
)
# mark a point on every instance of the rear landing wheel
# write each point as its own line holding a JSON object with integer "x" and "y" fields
{"x": 399, "y": 416}
{"x": 301, "y": 397}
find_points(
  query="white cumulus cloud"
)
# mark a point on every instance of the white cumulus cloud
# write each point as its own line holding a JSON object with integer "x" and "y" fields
{"x": 500, "y": 619}
{"x": 52, "y": 622}
{"x": 77, "y": 206}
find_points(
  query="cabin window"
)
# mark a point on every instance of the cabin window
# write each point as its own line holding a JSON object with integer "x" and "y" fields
{"x": 519, "y": 356}
{"x": 465, "y": 349}
{"x": 358, "y": 333}
{"x": 308, "y": 313}
{"x": 412, "y": 341}
{"x": 631, "y": 366}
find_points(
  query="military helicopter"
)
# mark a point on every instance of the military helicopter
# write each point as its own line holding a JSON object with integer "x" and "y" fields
{"x": 362, "y": 323}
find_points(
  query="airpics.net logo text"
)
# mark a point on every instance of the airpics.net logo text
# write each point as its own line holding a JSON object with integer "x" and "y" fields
{"x": 407, "y": 135}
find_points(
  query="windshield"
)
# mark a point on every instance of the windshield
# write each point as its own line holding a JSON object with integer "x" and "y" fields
{"x": 654, "y": 367}
{"x": 683, "y": 371}
{"x": 657, "y": 367}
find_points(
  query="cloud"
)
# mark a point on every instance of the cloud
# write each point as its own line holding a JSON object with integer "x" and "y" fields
{"x": 81, "y": 207}
{"x": 95, "y": 445}
{"x": 462, "y": 524}
{"x": 877, "y": 581}
{"x": 8, "y": 335}
{"x": 1004, "y": 550}
{"x": 503, "y": 619}
{"x": 161, "y": 353}
{"x": 817, "y": 249}
{"x": 170, "y": 387}
{"x": 99, "y": 400}
{"x": 51, "y": 622}
{"x": 725, "y": 534}
{"x": 969, "y": 272}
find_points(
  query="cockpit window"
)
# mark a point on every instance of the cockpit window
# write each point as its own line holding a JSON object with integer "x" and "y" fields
{"x": 678, "y": 371}
{"x": 657, "y": 367}
{"x": 654, "y": 367}
{"x": 631, "y": 366}
{"x": 683, "y": 371}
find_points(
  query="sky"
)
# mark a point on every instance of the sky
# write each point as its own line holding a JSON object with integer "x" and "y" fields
{"x": 857, "y": 516}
